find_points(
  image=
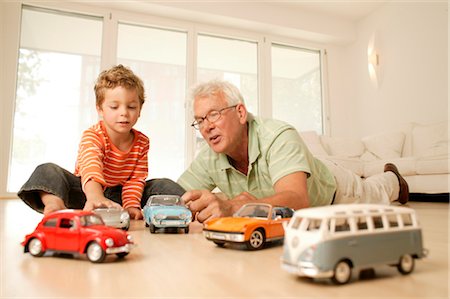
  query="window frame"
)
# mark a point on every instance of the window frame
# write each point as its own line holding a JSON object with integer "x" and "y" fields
{"x": 11, "y": 15}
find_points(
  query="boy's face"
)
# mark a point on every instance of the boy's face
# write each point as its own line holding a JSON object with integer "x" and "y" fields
{"x": 120, "y": 110}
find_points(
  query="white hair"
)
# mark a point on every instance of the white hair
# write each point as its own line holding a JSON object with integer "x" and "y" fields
{"x": 214, "y": 87}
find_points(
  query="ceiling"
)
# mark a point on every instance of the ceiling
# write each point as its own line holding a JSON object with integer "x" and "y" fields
{"x": 349, "y": 10}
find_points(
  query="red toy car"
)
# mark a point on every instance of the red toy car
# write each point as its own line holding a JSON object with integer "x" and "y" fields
{"x": 77, "y": 231}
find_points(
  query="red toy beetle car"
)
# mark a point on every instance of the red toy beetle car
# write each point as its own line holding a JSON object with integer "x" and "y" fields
{"x": 77, "y": 231}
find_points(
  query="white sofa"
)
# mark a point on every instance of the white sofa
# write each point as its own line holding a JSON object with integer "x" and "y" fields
{"x": 419, "y": 151}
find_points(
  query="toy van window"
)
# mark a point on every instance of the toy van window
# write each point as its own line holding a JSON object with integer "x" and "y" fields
{"x": 361, "y": 223}
{"x": 392, "y": 220}
{"x": 296, "y": 222}
{"x": 66, "y": 223}
{"x": 50, "y": 223}
{"x": 314, "y": 224}
{"x": 341, "y": 225}
{"x": 407, "y": 220}
{"x": 377, "y": 222}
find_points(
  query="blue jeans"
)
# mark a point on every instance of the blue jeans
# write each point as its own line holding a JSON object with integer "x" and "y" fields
{"x": 53, "y": 179}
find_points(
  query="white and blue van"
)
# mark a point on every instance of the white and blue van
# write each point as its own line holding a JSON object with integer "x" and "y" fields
{"x": 330, "y": 241}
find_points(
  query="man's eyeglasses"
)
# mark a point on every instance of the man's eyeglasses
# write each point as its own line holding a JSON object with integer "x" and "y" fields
{"x": 211, "y": 117}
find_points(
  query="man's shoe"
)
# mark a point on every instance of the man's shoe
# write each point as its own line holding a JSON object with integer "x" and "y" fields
{"x": 403, "y": 195}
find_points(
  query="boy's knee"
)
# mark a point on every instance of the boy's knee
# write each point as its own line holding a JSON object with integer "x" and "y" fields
{"x": 166, "y": 186}
{"x": 46, "y": 168}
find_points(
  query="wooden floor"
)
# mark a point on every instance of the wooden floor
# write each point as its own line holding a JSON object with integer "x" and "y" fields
{"x": 180, "y": 265}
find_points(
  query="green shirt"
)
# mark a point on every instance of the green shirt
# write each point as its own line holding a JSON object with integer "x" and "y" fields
{"x": 275, "y": 149}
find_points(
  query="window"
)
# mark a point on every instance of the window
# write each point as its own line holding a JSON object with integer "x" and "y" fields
{"x": 66, "y": 223}
{"x": 59, "y": 59}
{"x": 341, "y": 225}
{"x": 233, "y": 60}
{"x": 50, "y": 222}
{"x": 158, "y": 57}
{"x": 297, "y": 87}
{"x": 361, "y": 223}
{"x": 296, "y": 222}
{"x": 407, "y": 219}
{"x": 392, "y": 220}
{"x": 377, "y": 222}
{"x": 314, "y": 224}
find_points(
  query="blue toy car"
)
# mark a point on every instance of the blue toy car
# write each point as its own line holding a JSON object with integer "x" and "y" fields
{"x": 166, "y": 211}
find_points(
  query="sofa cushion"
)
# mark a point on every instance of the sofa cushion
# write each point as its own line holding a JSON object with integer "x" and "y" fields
{"x": 406, "y": 166}
{"x": 385, "y": 146}
{"x": 430, "y": 140}
{"x": 432, "y": 165}
{"x": 337, "y": 146}
{"x": 312, "y": 140}
{"x": 353, "y": 164}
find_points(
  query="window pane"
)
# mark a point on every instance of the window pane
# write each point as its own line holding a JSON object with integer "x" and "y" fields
{"x": 296, "y": 87}
{"x": 59, "y": 59}
{"x": 232, "y": 60}
{"x": 158, "y": 57}
{"x": 235, "y": 61}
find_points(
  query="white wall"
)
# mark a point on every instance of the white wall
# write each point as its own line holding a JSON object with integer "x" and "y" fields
{"x": 413, "y": 51}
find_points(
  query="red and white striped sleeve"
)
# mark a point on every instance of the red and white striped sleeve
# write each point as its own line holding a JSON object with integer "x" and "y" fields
{"x": 89, "y": 165}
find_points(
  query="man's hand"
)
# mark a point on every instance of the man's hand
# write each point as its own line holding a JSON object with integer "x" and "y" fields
{"x": 206, "y": 205}
{"x": 100, "y": 202}
{"x": 135, "y": 213}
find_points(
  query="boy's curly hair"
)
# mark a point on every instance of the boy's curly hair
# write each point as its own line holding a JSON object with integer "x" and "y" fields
{"x": 118, "y": 76}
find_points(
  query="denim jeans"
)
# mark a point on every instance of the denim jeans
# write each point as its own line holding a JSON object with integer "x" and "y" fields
{"x": 53, "y": 179}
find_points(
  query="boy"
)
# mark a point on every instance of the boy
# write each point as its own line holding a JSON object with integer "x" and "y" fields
{"x": 111, "y": 167}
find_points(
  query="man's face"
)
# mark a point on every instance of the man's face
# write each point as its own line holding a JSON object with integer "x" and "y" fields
{"x": 223, "y": 135}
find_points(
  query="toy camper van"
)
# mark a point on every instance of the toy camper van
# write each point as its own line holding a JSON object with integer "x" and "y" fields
{"x": 331, "y": 241}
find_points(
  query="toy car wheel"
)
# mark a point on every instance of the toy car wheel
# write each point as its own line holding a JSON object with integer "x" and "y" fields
{"x": 406, "y": 264}
{"x": 35, "y": 247}
{"x": 95, "y": 253}
{"x": 342, "y": 273}
{"x": 122, "y": 254}
{"x": 127, "y": 227}
{"x": 186, "y": 230}
{"x": 257, "y": 240}
{"x": 152, "y": 228}
{"x": 220, "y": 244}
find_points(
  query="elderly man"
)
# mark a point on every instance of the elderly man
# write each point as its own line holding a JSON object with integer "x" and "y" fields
{"x": 262, "y": 160}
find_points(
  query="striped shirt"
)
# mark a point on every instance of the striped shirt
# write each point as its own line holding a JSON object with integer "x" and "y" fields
{"x": 100, "y": 160}
{"x": 275, "y": 150}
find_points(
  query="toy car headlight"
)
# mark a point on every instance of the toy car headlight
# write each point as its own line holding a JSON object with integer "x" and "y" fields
{"x": 124, "y": 216}
{"x": 184, "y": 216}
{"x": 109, "y": 242}
{"x": 130, "y": 238}
{"x": 237, "y": 237}
{"x": 308, "y": 254}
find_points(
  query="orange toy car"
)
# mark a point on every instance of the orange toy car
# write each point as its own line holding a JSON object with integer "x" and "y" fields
{"x": 253, "y": 224}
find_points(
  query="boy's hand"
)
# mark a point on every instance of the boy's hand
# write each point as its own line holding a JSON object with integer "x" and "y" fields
{"x": 135, "y": 213}
{"x": 102, "y": 202}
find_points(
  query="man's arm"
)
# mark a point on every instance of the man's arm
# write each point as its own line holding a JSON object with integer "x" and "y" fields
{"x": 290, "y": 191}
